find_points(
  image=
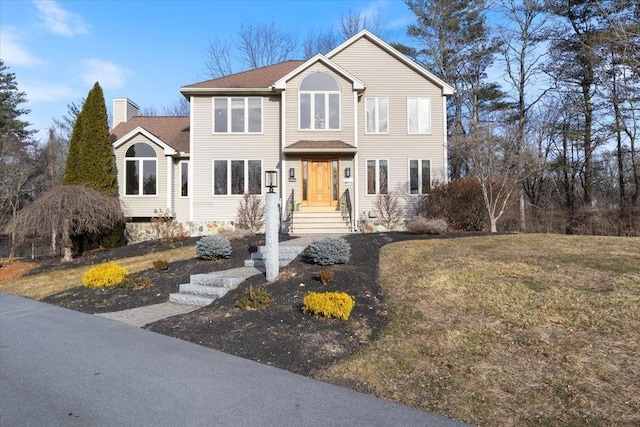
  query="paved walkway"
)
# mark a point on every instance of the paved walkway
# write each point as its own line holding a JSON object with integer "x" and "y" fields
{"x": 60, "y": 367}
{"x": 141, "y": 316}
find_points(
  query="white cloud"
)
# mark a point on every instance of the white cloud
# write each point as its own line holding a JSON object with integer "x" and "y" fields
{"x": 108, "y": 74}
{"x": 46, "y": 92}
{"x": 59, "y": 21}
{"x": 13, "y": 53}
{"x": 402, "y": 22}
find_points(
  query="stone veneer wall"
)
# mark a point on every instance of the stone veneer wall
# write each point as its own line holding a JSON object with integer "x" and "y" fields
{"x": 141, "y": 231}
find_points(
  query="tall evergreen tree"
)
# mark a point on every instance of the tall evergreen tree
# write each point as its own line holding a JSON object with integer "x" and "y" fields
{"x": 90, "y": 161}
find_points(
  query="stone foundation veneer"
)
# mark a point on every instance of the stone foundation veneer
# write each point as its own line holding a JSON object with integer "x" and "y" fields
{"x": 142, "y": 231}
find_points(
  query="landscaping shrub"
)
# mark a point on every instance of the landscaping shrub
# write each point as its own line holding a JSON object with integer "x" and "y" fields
{"x": 160, "y": 265}
{"x": 459, "y": 203}
{"x": 328, "y": 304}
{"x": 251, "y": 213}
{"x": 325, "y": 276}
{"x": 421, "y": 225}
{"x": 134, "y": 281}
{"x": 254, "y": 299}
{"x": 213, "y": 247}
{"x": 109, "y": 274}
{"x": 329, "y": 250}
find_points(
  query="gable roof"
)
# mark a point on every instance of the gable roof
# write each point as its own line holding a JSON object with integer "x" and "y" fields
{"x": 446, "y": 89}
{"x": 172, "y": 131}
{"x": 260, "y": 79}
{"x": 357, "y": 84}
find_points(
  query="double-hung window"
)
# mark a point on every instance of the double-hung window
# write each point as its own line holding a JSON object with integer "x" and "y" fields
{"x": 419, "y": 176}
{"x": 319, "y": 102}
{"x": 376, "y": 115}
{"x": 377, "y": 176}
{"x": 237, "y": 177}
{"x": 237, "y": 115}
{"x": 141, "y": 170}
{"x": 419, "y": 115}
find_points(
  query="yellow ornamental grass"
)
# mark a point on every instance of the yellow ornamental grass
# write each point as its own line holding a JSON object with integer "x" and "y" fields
{"x": 109, "y": 274}
{"x": 328, "y": 304}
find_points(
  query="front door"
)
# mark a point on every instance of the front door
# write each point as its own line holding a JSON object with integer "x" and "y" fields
{"x": 319, "y": 182}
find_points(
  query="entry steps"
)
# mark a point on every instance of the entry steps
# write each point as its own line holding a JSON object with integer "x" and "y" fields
{"x": 308, "y": 222}
{"x": 204, "y": 288}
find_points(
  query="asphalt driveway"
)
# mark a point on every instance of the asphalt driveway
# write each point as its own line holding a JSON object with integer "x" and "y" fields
{"x": 60, "y": 367}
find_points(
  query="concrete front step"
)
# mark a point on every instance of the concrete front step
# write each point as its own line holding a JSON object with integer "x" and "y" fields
{"x": 204, "y": 290}
{"x": 213, "y": 279}
{"x": 189, "y": 299}
{"x": 286, "y": 254}
{"x": 319, "y": 223}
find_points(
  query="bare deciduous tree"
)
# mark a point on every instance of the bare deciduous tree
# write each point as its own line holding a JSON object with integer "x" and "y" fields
{"x": 390, "y": 210}
{"x": 251, "y": 213}
{"x": 353, "y": 22}
{"x": 498, "y": 166}
{"x": 257, "y": 45}
{"x": 66, "y": 210}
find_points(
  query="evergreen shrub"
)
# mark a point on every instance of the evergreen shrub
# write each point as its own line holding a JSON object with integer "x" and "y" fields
{"x": 254, "y": 299}
{"x": 108, "y": 274}
{"x": 328, "y": 304}
{"x": 213, "y": 247}
{"x": 329, "y": 250}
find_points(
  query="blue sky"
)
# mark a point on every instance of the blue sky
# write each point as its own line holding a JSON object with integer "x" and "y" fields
{"x": 145, "y": 50}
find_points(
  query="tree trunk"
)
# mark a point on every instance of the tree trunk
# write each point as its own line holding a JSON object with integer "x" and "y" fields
{"x": 65, "y": 242}
{"x": 54, "y": 235}
{"x": 521, "y": 206}
{"x": 492, "y": 220}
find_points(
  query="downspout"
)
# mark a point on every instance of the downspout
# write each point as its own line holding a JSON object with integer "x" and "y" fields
{"x": 444, "y": 146}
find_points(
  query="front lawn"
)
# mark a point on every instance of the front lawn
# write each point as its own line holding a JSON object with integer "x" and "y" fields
{"x": 508, "y": 330}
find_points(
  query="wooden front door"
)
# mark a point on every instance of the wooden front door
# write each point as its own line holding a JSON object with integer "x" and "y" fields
{"x": 318, "y": 182}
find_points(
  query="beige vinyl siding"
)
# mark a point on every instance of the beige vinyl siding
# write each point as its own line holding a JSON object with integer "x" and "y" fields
{"x": 142, "y": 206}
{"x": 345, "y": 133}
{"x": 180, "y": 204}
{"x": 392, "y": 79}
{"x": 207, "y": 146}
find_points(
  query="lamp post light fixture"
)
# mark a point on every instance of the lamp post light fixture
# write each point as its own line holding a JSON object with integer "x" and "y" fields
{"x": 271, "y": 180}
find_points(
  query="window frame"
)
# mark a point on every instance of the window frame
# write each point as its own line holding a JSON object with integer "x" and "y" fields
{"x": 377, "y": 176}
{"x": 229, "y": 177}
{"x": 181, "y": 174}
{"x": 420, "y": 176}
{"x": 327, "y": 106}
{"x": 246, "y": 109}
{"x": 376, "y": 99}
{"x": 426, "y": 115}
{"x": 140, "y": 166}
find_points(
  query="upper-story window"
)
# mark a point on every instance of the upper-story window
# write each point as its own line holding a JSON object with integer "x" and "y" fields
{"x": 419, "y": 115}
{"x": 376, "y": 115}
{"x": 319, "y": 102}
{"x": 237, "y": 115}
{"x": 141, "y": 170}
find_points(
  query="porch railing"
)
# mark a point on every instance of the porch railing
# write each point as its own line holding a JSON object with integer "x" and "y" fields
{"x": 347, "y": 208}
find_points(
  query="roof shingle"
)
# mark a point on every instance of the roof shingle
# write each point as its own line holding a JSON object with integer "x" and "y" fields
{"x": 173, "y": 131}
{"x": 263, "y": 77}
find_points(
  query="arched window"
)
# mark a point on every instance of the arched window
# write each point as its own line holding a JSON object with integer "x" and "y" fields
{"x": 141, "y": 170}
{"x": 319, "y": 102}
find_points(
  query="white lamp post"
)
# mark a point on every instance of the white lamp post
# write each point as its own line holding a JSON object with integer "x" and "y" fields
{"x": 272, "y": 265}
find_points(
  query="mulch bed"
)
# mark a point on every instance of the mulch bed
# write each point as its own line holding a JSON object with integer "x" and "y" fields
{"x": 280, "y": 334}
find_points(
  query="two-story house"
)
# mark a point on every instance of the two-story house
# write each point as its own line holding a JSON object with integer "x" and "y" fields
{"x": 340, "y": 129}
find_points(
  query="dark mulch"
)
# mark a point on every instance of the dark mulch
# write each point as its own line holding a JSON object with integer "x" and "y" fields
{"x": 279, "y": 334}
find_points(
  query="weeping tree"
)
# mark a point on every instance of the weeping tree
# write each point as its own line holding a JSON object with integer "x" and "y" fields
{"x": 66, "y": 210}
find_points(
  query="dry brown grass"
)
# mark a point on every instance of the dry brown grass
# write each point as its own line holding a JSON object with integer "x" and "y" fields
{"x": 509, "y": 330}
{"x": 42, "y": 285}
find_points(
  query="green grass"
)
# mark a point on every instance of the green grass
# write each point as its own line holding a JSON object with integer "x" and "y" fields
{"x": 509, "y": 330}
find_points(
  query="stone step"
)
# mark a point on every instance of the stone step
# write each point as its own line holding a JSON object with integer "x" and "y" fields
{"x": 284, "y": 252}
{"x": 213, "y": 279}
{"x": 260, "y": 263}
{"x": 304, "y": 231}
{"x": 189, "y": 299}
{"x": 203, "y": 290}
